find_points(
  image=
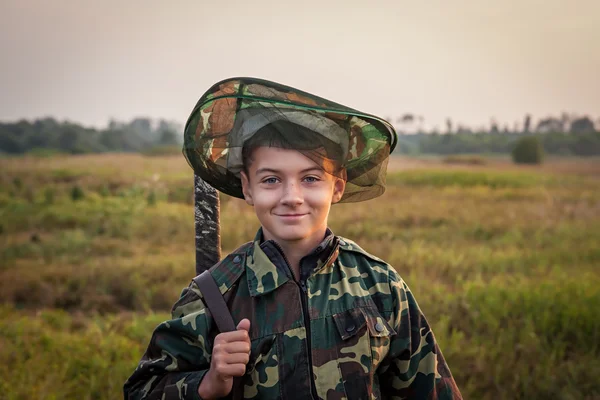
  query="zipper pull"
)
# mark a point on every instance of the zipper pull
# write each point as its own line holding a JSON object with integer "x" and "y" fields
{"x": 303, "y": 286}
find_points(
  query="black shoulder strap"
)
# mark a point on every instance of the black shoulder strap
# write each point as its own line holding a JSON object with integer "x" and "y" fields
{"x": 221, "y": 315}
{"x": 212, "y": 295}
{"x": 215, "y": 302}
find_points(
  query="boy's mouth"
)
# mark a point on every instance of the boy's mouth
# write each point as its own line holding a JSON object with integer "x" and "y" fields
{"x": 290, "y": 216}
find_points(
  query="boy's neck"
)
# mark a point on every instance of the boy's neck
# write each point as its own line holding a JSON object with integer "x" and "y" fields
{"x": 295, "y": 250}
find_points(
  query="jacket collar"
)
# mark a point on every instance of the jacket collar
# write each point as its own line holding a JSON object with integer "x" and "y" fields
{"x": 266, "y": 267}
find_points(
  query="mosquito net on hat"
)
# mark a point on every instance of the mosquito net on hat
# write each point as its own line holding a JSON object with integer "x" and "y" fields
{"x": 240, "y": 114}
{"x": 315, "y": 137}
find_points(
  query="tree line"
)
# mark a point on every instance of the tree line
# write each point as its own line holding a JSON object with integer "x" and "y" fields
{"x": 563, "y": 136}
{"x": 557, "y": 143}
{"x": 48, "y": 134}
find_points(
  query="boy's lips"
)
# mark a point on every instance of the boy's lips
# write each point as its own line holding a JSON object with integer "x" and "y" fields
{"x": 291, "y": 216}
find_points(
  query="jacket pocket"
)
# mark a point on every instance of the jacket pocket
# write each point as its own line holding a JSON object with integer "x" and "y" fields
{"x": 363, "y": 343}
{"x": 379, "y": 335}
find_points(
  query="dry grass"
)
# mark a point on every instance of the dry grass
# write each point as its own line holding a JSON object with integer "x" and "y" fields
{"x": 503, "y": 260}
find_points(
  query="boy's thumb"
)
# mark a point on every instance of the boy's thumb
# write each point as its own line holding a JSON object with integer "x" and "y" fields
{"x": 244, "y": 324}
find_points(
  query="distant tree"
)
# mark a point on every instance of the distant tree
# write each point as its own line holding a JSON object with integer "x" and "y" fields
{"x": 168, "y": 138}
{"x": 494, "y": 126}
{"x": 405, "y": 121}
{"x": 527, "y": 123}
{"x": 76, "y": 139}
{"x": 558, "y": 143}
{"x": 114, "y": 124}
{"x": 448, "y": 125}
{"x": 549, "y": 124}
{"x": 586, "y": 144}
{"x": 421, "y": 122}
{"x": 582, "y": 125}
{"x": 10, "y": 143}
{"x": 68, "y": 139}
{"x": 143, "y": 127}
{"x": 123, "y": 139}
{"x": 175, "y": 128}
{"x": 463, "y": 129}
{"x": 408, "y": 118}
{"x": 565, "y": 120}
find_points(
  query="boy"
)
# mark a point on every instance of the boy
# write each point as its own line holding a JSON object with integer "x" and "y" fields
{"x": 317, "y": 316}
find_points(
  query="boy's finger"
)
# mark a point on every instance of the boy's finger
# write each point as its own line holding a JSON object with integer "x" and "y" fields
{"x": 237, "y": 347}
{"x": 244, "y": 325}
{"x": 236, "y": 358}
{"x": 233, "y": 370}
{"x": 233, "y": 336}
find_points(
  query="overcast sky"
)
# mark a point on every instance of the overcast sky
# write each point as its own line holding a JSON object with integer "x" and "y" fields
{"x": 88, "y": 61}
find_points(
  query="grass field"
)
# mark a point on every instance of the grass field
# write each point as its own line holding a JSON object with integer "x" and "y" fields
{"x": 504, "y": 261}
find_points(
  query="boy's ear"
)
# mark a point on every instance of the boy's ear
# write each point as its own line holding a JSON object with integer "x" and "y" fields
{"x": 246, "y": 188}
{"x": 338, "y": 189}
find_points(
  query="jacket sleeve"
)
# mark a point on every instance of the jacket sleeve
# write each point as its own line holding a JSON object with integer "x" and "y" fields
{"x": 414, "y": 367}
{"x": 178, "y": 355}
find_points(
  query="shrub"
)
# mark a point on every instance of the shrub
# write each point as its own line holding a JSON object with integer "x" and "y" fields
{"x": 17, "y": 182}
{"x": 151, "y": 198}
{"x": 464, "y": 159}
{"x": 528, "y": 150}
{"x": 77, "y": 193}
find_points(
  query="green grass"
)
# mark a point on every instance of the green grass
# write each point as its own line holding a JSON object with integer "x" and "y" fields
{"x": 503, "y": 261}
{"x": 465, "y": 159}
{"x": 492, "y": 179}
{"x": 55, "y": 355}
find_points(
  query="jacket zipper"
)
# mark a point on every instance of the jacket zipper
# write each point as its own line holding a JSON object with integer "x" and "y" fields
{"x": 306, "y": 316}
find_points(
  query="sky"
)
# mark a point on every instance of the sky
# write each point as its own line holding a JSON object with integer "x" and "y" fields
{"x": 470, "y": 60}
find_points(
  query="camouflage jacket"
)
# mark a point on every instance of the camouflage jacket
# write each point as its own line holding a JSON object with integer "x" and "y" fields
{"x": 349, "y": 328}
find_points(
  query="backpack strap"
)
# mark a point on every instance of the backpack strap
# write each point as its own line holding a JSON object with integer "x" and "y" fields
{"x": 225, "y": 276}
{"x": 215, "y": 302}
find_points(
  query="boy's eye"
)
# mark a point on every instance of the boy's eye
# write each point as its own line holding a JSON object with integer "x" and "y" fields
{"x": 311, "y": 179}
{"x": 270, "y": 180}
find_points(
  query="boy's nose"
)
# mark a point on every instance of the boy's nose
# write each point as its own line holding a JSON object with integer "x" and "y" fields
{"x": 292, "y": 196}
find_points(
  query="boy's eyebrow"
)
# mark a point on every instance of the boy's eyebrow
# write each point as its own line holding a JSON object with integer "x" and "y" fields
{"x": 263, "y": 170}
{"x": 274, "y": 171}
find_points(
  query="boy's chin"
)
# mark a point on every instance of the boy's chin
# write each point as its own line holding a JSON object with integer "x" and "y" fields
{"x": 292, "y": 234}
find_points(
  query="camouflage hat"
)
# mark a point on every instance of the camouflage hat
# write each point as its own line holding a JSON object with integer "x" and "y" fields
{"x": 232, "y": 111}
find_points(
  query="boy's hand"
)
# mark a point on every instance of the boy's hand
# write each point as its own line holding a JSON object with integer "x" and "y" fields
{"x": 231, "y": 353}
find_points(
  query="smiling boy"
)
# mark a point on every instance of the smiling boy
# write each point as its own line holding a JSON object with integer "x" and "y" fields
{"x": 317, "y": 316}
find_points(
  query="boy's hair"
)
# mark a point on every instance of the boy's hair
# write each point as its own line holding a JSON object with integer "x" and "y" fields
{"x": 323, "y": 151}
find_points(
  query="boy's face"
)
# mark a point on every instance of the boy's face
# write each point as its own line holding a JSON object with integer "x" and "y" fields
{"x": 290, "y": 193}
